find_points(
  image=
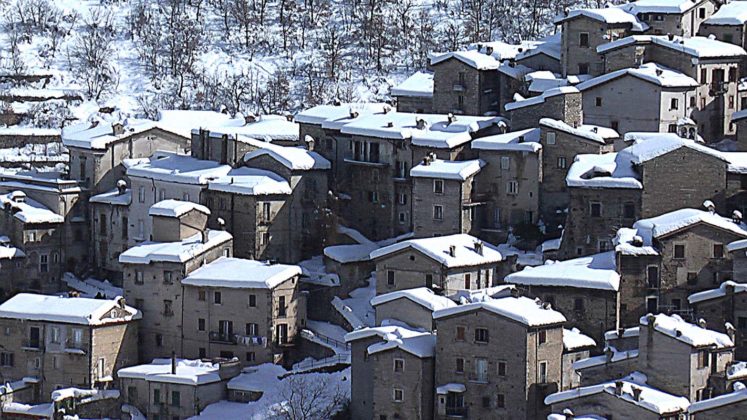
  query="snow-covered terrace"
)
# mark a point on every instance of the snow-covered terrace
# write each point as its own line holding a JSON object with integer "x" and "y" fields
{"x": 694, "y": 335}
{"x": 649, "y": 72}
{"x": 268, "y": 128}
{"x": 422, "y": 296}
{"x": 250, "y": 181}
{"x": 719, "y": 292}
{"x": 419, "y": 85}
{"x": 596, "y": 271}
{"x": 335, "y": 116}
{"x": 526, "y": 311}
{"x": 293, "y": 158}
{"x": 458, "y": 170}
{"x": 730, "y": 14}
{"x": 188, "y": 372}
{"x": 697, "y": 46}
{"x": 174, "y": 167}
{"x": 238, "y": 273}
{"x": 28, "y": 210}
{"x": 175, "y": 208}
{"x": 74, "y": 310}
{"x": 181, "y": 251}
{"x": 437, "y": 248}
{"x": 521, "y": 141}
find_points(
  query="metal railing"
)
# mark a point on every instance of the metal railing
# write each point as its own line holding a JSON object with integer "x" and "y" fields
{"x": 222, "y": 337}
{"x": 456, "y": 411}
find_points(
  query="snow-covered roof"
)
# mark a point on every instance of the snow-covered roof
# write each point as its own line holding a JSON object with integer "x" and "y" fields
{"x": 741, "y": 114}
{"x": 293, "y": 158}
{"x": 649, "y": 72}
{"x": 674, "y": 326}
{"x": 238, "y": 273}
{"x": 550, "y": 46}
{"x": 603, "y": 359}
{"x": 438, "y": 249}
{"x": 652, "y": 145}
{"x": 608, "y": 170}
{"x": 8, "y": 251}
{"x": 501, "y": 50}
{"x": 521, "y": 141}
{"x": 74, "y": 310}
{"x": 450, "y": 387}
{"x": 697, "y": 46}
{"x": 182, "y": 121}
{"x": 334, "y": 116}
{"x": 667, "y": 223}
{"x": 421, "y": 345}
{"x": 113, "y": 197}
{"x": 423, "y": 296}
{"x": 173, "y": 167}
{"x": 595, "y": 133}
{"x": 737, "y": 162}
{"x": 437, "y": 131}
{"x": 514, "y": 71}
{"x": 472, "y": 58}
{"x": 266, "y": 128}
{"x": 188, "y": 372}
{"x": 596, "y": 271}
{"x": 650, "y": 399}
{"x": 250, "y": 181}
{"x": 574, "y": 339}
{"x": 179, "y": 252}
{"x": 737, "y": 245}
{"x": 718, "y": 292}
{"x": 737, "y": 396}
{"x": 660, "y": 6}
{"x": 350, "y": 253}
{"x": 99, "y": 134}
{"x": 733, "y": 13}
{"x": 176, "y": 208}
{"x": 626, "y": 333}
{"x": 28, "y": 210}
{"x": 526, "y": 311}
{"x": 459, "y": 170}
{"x": 609, "y": 15}
{"x": 418, "y": 85}
{"x": 536, "y": 100}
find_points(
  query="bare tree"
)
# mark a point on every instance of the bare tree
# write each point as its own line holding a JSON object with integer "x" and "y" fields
{"x": 91, "y": 54}
{"x": 309, "y": 398}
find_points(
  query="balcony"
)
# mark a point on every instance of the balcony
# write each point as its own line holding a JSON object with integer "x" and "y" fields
{"x": 458, "y": 87}
{"x": 478, "y": 378}
{"x": 75, "y": 347}
{"x": 222, "y": 337}
{"x": 718, "y": 88}
{"x": 456, "y": 411}
{"x": 32, "y": 345}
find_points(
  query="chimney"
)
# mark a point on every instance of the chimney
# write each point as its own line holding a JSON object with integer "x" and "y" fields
{"x": 390, "y": 124}
{"x": 204, "y": 235}
{"x": 731, "y": 332}
{"x": 608, "y": 354}
{"x": 221, "y": 223}
{"x": 478, "y": 247}
{"x": 618, "y": 387}
{"x": 637, "y": 240}
{"x": 568, "y": 413}
{"x": 117, "y": 128}
{"x": 659, "y": 72}
{"x": 337, "y": 102}
{"x": 566, "y": 11}
{"x": 670, "y": 36}
{"x": 736, "y": 216}
{"x": 420, "y": 123}
{"x": 451, "y": 118}
{"x": 353, "y": 114}
{"x": 386, "y": 109}
{"x": 250, "y": 118}
{"x": 637, "y": 393}
{"x": 173, "y": 363}
{"x": 489, "y": 50}
{"x": 289, "y": 117}
{"x": 595, "y": 130}
{"x": 121, "y": 187}
{"x": 708, "y": 204}
{"x": 702, "y": 323}
{"x": 121, "y": 302}
{"x": 521, "y": 139}
{"x": 310, "y": 142}
{"x": 18, "y": 197}
{"x": 452, "y": 250}
{"x": 426, "y": 160}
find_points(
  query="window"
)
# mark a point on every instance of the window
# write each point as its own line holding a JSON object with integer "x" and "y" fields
{"x": 265, "y": 211}
{"x": 201, "y": 324}
{"x": 168, "y": 277}
{"x": 252, "y": 329}
{"x": 402, "y": 217}
{"x": 718, "y": 250}
{"x": 732, "y": 74}
{"x": 505, "y": 163}
{"x": 702, "y": 106}
{"x": 282, "y": 309}
{"x": 702, "y": 13}
{"x": 141, "y": 228}
{"x": 459, "y": 365}
{"x": 731, "y": 101}
{"x": 438, "y": 212}
{"x": 390, "y": 278}
{"x": 481, "y": 370}
{"x": 217, "y": 298}
{"x": 481, "y": 335}
{"x": 578, "y": 304}
{"x": 598, "y": 101}
{"x": 102, "y": 224}
{"x": 583, "y": 40}
{"x": 438, "y": 186}
{"x": 125, "y": 228}
{"x": 54, "y": 335}
{"x": 652, "y": 276}
{"x": 399, "y": 365}
{"x": 460, "y": 333}
{"x": 252, "y": 301}
{"x": 629, "y": 211}
{"x": 175, "y": 399}
{"x": 501, "y": 368}
{"x": 561, "y": 162}
{"x": 402, "y": 199}
{"x": 468, "y": 281}
{"x": 168, "y": 310}
{"x": 703, "y": 76}
{"x": 429, "y": 279}
{"x": 692, "y": 101}
{"x": 542, "y": 336}
{"x": 156, "y": 396}
{"x": 201, "y": 295}
{"x": 513, "y": 187}
{"x": 542, "y": 372}
{"x": 550, "y": 136}
{"x": 373, "y": 196}
{"x": 141, "y": 194}
{"x": 583, "y": 68}
{"x": 77, "y": 336}
{"x": 6, "y": 359}
{"x": 679, "y": 251}
{"x": 595, "y": 209}
{"x": 674, "y": 103}
{"x": 500, "y": 401}
{"x": 159, "y": 340}
{"x": 398, "y": 395}
{"x": 485, "y": 402}
{"x": 44, "y": 263}
{"x": 251, "y": 356}
{"x": 692, "y": 278}
{"x": 703, "y": 359}
{"x": 162, "y": 194}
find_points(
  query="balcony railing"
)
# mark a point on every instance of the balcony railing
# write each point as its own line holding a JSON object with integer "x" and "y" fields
{"x": 246, "y": 340}
{"x": 458, "y": 87}
{"x": 456, "y": 411}
{"x": 719, "y": 88}
{"x": 33, "y": 345}
{"x": 222, "y": 337}
{"x": 479, "y": 378}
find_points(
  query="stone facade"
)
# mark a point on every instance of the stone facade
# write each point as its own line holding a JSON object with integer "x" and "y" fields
{"x": 414, "y": 380}
{"x": 686, "y": 23}
{"x": 581, "y": 36}
{"x": 562, "y": 107}
{"x": 458, "y": 212}
{"x": 459, "y": 88}
{"x": 731, "y": 307}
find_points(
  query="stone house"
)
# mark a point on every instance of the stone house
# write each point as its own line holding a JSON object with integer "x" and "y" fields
{"x": 681, "y": 17}
{"x": 392, "y": 370}
{"x": 546, "y": 54}
{"x": 739, "y": 119}
{"x": 66, "y": 342}
{"x": 415, "y": 94}
{"x": 97, "y": 149}
{"x": 465, "y": 83}
{"x": 680, "y": 358}
{"x": 153, "y": 271}
{"x": 12, "y": 261}
{"x": 585, "y": 290}
{"x": 576, "y": 346}
{"x": 512, "y": 81}
{"x": 727, "y": 24}
{"x": 110, "y": 230}
{"x": 561, "y": 143}
{"x": 722, "y": 305}
{"x": 508, "y": 184}
{"x": 499, "y": 357}
{"x": 562, "y": 104}
{"x": 176, "y": 388}
{"x": 626, "y": 399}
{"x": 444, "y": 201}
{"x": 230, "y": 293}
{"x": 583, "y": 30}
{"x": 446, "y": 263}
{"x": 415, "y": 307}
{"x": 662, "y": 98}
{"x": 716, "y": 69}
{"x": 728, "y": 406}
{"x": 664, "y": 259}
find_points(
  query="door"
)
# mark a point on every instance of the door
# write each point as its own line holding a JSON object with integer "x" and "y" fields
{"x": 225, "y": 329}
{"x": 481, "y": 370}
{"x": 34, "y": 335}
